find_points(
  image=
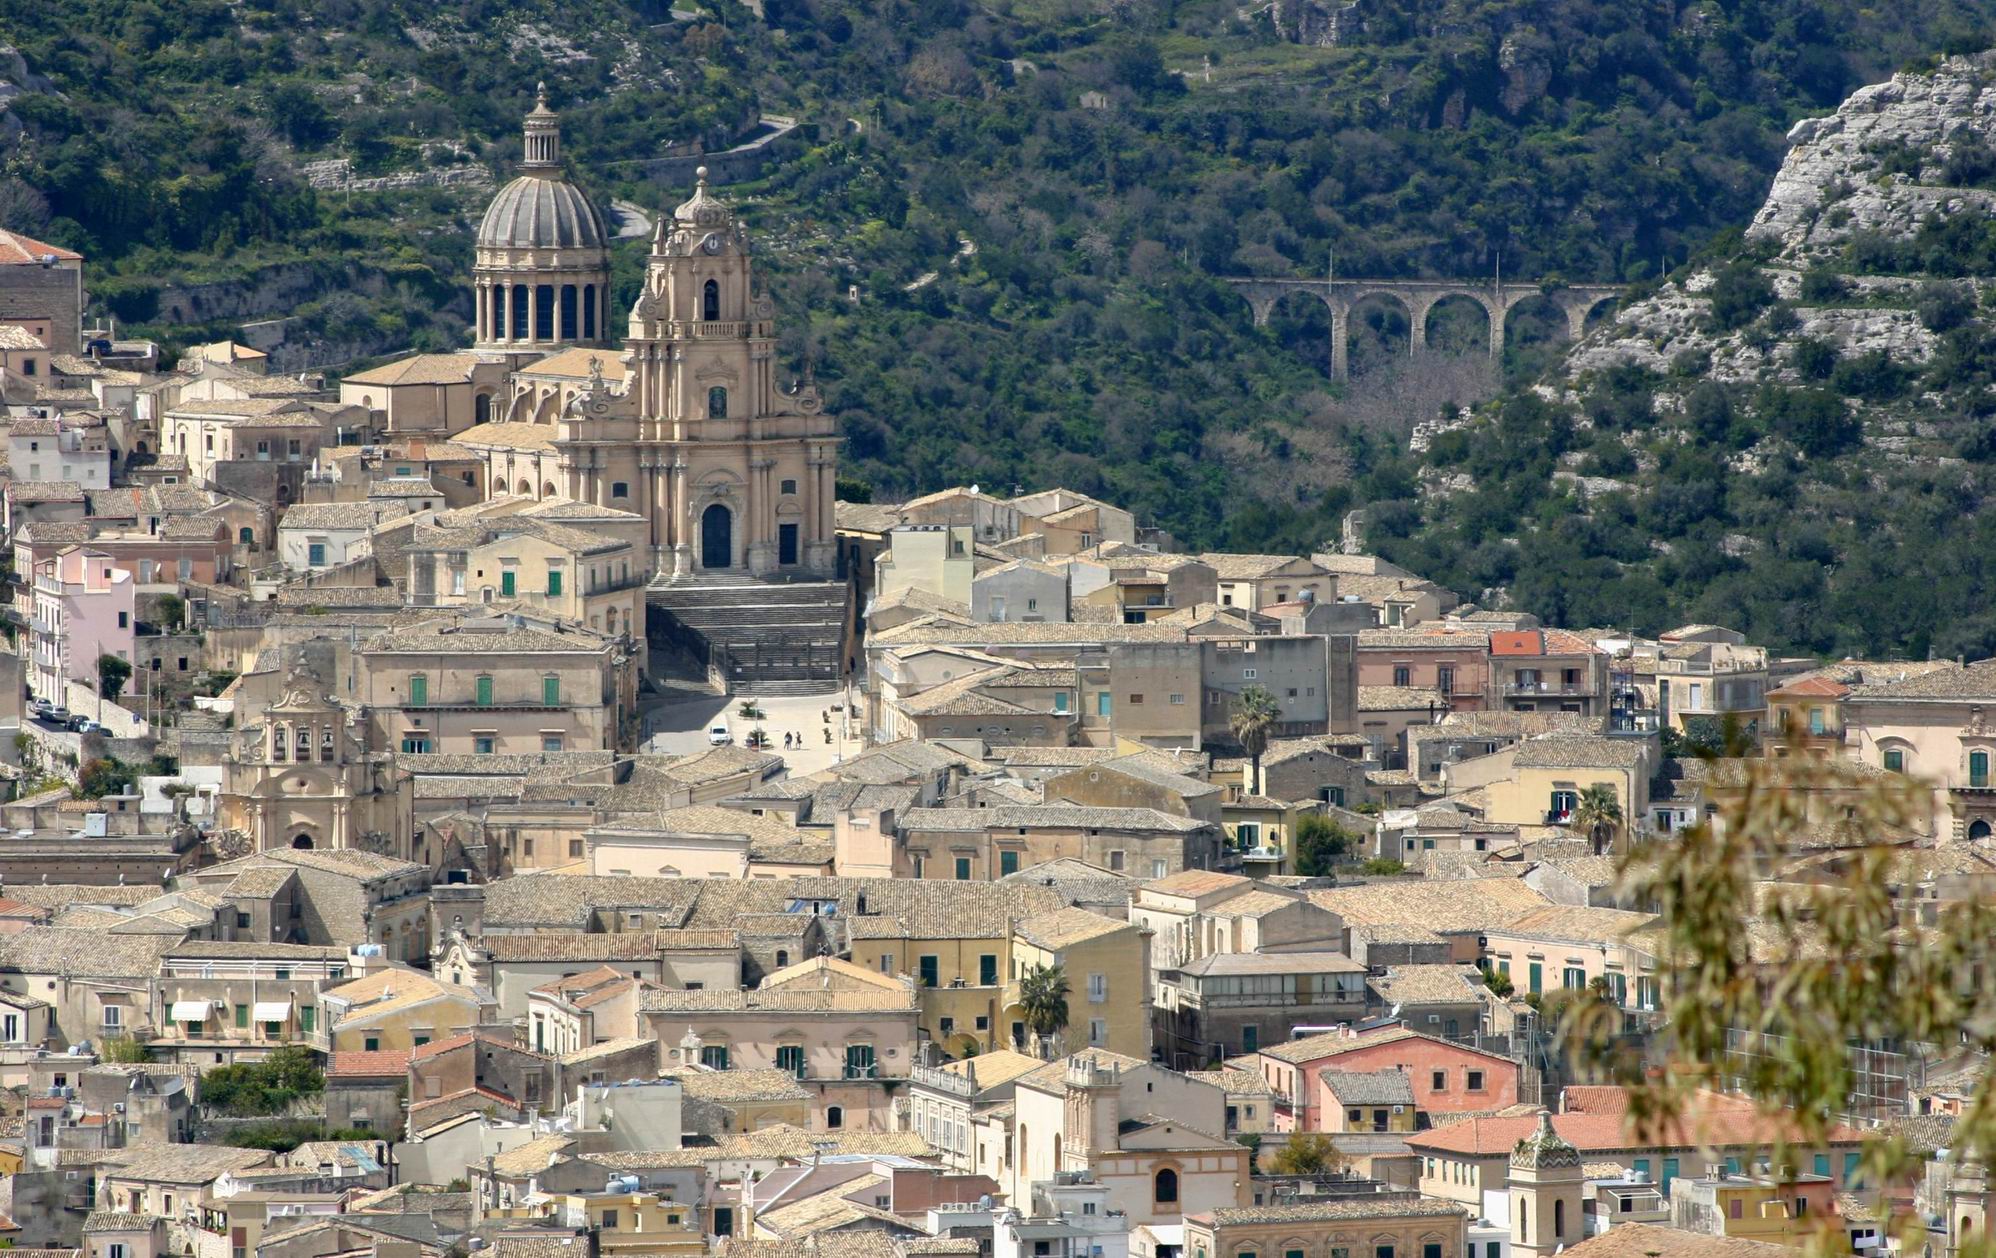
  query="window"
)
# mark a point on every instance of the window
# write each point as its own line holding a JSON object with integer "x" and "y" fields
{"x": 1249, "y": 674}
{"x": 1978, "y": 768}
{"x": 1008, "y": 863}
{"x": 1573, "y": 978}
{"x": 554, "y": 582}
{"x": 859, "y": 1061}
{"x": 963, "y": 869}
{"x": 714, "y": 1055}
{"x": 419, "y": 690}
{"x": 620, "y": 489}
{"x": 308, "y": 1016}
{"x": 1164, "y": 1187}
{"x": 835, "y": 1117}
{"x": 1402, "y": 675}
{"x": 483, "y": 745}
{"x": 372, "y": 1043}
{"x": 1438, "y": 1081}
{"x": 1250, "y": 1038}
{"x": 1060, "y": 701}
{"x": 124, "y": 620}
{"x": 987, "y": 970}
{"x": 928, "y": 970}
{"x": 1895, "y": 760}
{"x": 610, "y": 1218}
{"x": 242, "y": 1016}
{"x": 1115, "y": 862}
{"x": 550, "y": 742}
{"x": 1136, "y": 698}
{"x": 416, "y": 742}
{"x": 1475, "y": 1083}
{"x": 790, "y": 1059}
{"x": 1098, "y": 988}
{"x": 717, "y": 403}
{"x": 1103, "y": 703}
{"x": 1177, "y": 700}
{"x": 787, "y": 487}
{"x": 315, "y": 554}
{"x": 482, "y": 692}
{"x": 551, "y": 691}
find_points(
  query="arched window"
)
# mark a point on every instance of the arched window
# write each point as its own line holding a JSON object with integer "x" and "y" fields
{"x": 519, "y": 306}
{"x": 302, "y": 843}
{"x": 1559, "y": 1220}
{"x": 547, "y": 489}
{"x": 526, "y": 490}
{"x": 710, "y": 301}
{"x": 1165, "y": 1191}
{"x": 717, "y": 403}
{"x": 497, "y": 328}
{"x": 481, "y": 408}
{"x": 570, "y": 315}
{"x": 588, "y": 312}
{"x": 544, "y": 312}
{"x": 835, "y": 1117}
{"x": 1524, "y": 1222}
{"x": 246, "y": 536}
{"x": 782, "y": 958}
{"x": 1978, "y": 829}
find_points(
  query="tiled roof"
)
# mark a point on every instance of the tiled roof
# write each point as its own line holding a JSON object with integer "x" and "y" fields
{"x": 186, "y": 1163}
{"x": 19, "y": 250}
{"x": 1400, "y": 699}
{"x": 1649, "y": 1240}
{"x": 1719, "y": 1121}
{"x": 451, "y": 639}
{"x": 1577, "y": 924}
{"x": 378, "y": 1064}
{"x": 83, "y": 953}
{"x": 1193, "y": 883}
{"x": 624, "y": 946}
{"x": 1435, "y": 906}
{"x": 419, "y": 369}
{"x": 1383, "y": 1206}
{"x": 1428, "y": 984}
{"x": 46, "y": 491}
{"x": 575, "y": 363}
{"x": 1415, "y": 639}
{"x": 1066, "y": 927}
{"x": 1333, "y": 1044}
{"x": 509, "y": 435}
{"x": 115, "y": 1221}
{"x": 1369, "y": 1087}
{"x": 533, "y": 1156}
{"x": 1231, "y": 567}
{"x": 329, "y": 515}
{"x": 1579, "y": 752}
{"x": 1065, "y": 816}
{"x": 1251, "y": 964}
{"x": 779, "y": 1000}
{"x": 737, "y": 1085}
{"x": 608, "y": 1048}
{"x": 1234, "y": 1080}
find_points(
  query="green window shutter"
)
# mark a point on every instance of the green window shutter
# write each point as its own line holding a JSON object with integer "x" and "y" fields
{"x": 550, "y": 691}
{"x": 507, "y": 584}
{"x": 554, "y": 582}
{"x": 242, "y": 1015}
{"x": 987, "y": 971}
{"x": 308, "y": 1017}
{"x": 1008, "y": 863}
{"x": 484, "y": 692}
{"x": 419, "y": 690}
{"x": 963, "y": 869}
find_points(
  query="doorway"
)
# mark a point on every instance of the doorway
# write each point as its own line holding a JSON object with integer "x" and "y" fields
{"x": 717, "y": 542}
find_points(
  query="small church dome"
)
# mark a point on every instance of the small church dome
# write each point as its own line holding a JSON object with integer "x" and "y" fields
{"x": 540, "y": 209}
{"x": 1544, "y": 1148}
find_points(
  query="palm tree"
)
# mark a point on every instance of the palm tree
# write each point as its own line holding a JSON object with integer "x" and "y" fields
{"x": 1043, "y": 1000}
{"x": 1598, "y": 814}
{"x": 1254, "y": 712}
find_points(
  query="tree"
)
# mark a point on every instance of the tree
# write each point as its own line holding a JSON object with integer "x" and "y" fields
{"x": 1043, "y": 1000}
{"x": 1254, "y": 712}
{"x": 1307, "y": 1153}
{"x": 1598, "y": 815}
{"x": 1321, "y": 844}
{"x": 263, "y": 1087}
{"x": 123, "y": 1050}
{"x": 112, "y": 674}
{"x": 1772, "y": 985}
{"x": 1498, "y": 982}
{"x": 172, "y": 612}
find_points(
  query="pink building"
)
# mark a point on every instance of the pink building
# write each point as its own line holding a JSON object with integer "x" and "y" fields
{"x": 84, "y": 608}
{"x": 1453, "y": 661}
{"x": 1446, "y": 1077}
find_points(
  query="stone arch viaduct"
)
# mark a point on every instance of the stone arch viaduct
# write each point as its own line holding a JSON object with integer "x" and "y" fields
{"x": 1418, "y": 298}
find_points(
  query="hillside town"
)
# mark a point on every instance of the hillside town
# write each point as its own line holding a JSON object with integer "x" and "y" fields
{"x": 509, "y": 802}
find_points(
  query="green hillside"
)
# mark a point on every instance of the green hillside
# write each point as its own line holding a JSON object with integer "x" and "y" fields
{"x": 1072, "y": 174}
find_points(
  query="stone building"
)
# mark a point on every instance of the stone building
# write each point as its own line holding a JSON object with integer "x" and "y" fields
{"x": 41, "y": 289}
{"x": 733, "y": 472}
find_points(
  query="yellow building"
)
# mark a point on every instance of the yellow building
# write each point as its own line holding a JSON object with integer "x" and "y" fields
{"x": 1539, "y": 782}
{"x": 1107, "y": 964}
{"x": 395, "y": 1009}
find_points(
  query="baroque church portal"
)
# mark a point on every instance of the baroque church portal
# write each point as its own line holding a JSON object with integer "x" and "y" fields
{"x": 687, "y": 425}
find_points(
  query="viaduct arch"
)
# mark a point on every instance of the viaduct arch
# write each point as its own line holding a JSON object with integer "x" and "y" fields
{"x": 1575, "y": 301}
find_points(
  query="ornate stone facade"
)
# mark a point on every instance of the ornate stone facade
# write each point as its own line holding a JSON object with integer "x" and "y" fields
{"x": 734, "y": 473}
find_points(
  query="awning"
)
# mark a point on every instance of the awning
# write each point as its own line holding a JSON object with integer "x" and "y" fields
{"x": 192, "y": 1010}
{"x": 271, "y": 1011}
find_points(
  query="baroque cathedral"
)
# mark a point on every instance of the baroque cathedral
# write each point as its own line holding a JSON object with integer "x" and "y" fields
{"x": 686, "y": 423}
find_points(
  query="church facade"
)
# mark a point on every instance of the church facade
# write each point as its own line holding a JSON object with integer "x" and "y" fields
{"x": 688, "y": 424}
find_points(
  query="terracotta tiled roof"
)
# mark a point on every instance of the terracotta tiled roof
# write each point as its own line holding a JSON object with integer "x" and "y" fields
{"x": 378, "y": 1064}
{"x": 19, "y": 250}
{"x": 1719, "y": 1122}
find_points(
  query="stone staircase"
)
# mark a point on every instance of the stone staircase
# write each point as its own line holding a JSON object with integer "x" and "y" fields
{"x": 773, "y": 637}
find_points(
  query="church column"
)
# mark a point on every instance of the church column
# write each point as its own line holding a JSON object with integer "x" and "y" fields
{"x": 479, "y": 299}
{"x": 678, "y": 512}
{"x": 533, "y": 310}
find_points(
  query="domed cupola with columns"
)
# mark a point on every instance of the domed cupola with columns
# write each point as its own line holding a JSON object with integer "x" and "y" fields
{"x": 542, "y": 269}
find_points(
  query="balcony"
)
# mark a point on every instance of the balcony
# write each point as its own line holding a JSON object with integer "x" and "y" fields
{"x": 1266, "y": 855}
{"x": 1549, "y": 689}
{"x": 1559, "y": 817}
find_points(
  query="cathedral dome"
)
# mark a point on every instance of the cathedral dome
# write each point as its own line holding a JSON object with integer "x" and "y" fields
{"x": 536, "y": 212}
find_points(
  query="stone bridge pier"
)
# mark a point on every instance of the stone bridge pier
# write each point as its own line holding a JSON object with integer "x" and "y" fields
{"x": 1418, "y": 298}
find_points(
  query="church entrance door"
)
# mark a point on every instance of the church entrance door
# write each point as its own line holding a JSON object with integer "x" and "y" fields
{"x": 786, "y": 544}
{"x": 717, "y": 541}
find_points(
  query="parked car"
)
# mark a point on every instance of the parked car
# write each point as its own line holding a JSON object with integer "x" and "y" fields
{"x": 58, "y": 716}
{"x": 84, "y": 725}
{"x": 719, "y": 736}
{"x": 39, "y": 706}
